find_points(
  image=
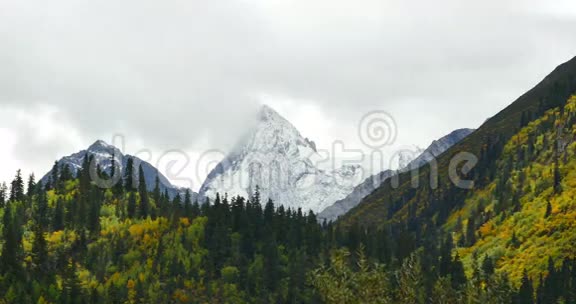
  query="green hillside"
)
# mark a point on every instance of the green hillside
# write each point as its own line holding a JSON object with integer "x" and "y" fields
{"x": 526, "y": 161}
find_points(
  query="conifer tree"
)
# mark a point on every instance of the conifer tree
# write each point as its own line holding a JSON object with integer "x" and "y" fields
{"x": 41, "y": 209}
{"x": 471, "y": 231}
{"x": 526, "y": 292}
{"x": 54, "y": 176}
{"x": 487, "y": 266}
{"x": 12, "y": 235}
{"x": 188, "y": 204}
{"x": 116, "y": 174}
{"x": 548, "y": 209}
{"x": 3, "y": 195}
{"x": 129, "y": 175}
{"x": 144, "y": 200}
{"x": 457, "y": 272}
{"x": 59, "y": 215}
{"x": 72, "y": 290}
{"x": 157, "y": 194}
{"x": 17, "y": 188}
{"x": 39, "y": 250}
{"x": 131, "y": 207}
{"x": 31, "y": 188}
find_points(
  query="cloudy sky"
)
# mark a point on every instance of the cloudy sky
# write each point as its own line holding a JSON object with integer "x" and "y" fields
{"x": 188, "y": 74}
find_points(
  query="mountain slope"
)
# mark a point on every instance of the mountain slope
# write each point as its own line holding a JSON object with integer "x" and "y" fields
{"x": 527, "y": 213}
{"x": 436, "y": 148}
{"x": 284, "y": 165}
{"x": 422, "y": 210}
{"x": 103, "y": 154}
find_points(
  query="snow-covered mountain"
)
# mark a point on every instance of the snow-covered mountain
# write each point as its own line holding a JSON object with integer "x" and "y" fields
{"x": 284, "y": 165}
{"x": 437, "y": 147}
{"x": 103, "y": 154}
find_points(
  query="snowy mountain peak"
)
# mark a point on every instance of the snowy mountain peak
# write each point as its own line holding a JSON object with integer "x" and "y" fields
{"x": 276, "y": 157}
{"x": 102, "y": 148}
{"x": 273, "y": 133}
{"x": 266, "y": 113}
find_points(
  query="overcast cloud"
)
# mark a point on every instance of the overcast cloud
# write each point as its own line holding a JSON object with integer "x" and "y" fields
{"x": 188, "y": 74}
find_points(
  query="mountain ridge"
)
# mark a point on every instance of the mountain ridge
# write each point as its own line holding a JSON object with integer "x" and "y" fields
{"x": 103, "y": 153}
{"x": 370, "y": 184}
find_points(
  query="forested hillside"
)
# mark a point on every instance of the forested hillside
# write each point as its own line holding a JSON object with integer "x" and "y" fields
{"x": 71, "y": 242}
{"x": 520, "y": 213}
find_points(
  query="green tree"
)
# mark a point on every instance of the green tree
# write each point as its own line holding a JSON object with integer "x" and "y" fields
{"x": 59, "y": 215}
{"x": 39, "y": 251}
{"x": 131, "y": 207}
{"x": 129, "y": 175}
{"x": 144, "y": 200}
{"x": 17, "y": 188}
{"x": 548, "y": 209}
{"x": 3, "y": 195}
{"x": 339, "y": 283}
{"x": 526, "y": 292}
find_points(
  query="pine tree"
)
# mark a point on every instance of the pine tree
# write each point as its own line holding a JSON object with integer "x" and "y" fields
{"x": 71, "y": 288}
{"x": 446, "y": 256}
{"x": 17, "y": 188}
{"x": 131, "y": 207}
{"x": 144, "y": 200}
{"x": 94, "y": 208}
{"x": 31, "y": 188}
{"x": 548, "y": 210}
{"x": 526, "y": 292}
{"x": 116, "y": 175}
{"x": 39, "y": 251}
{"x": 256, "y": 195}
{"x": 54, "y": 176}
{"x": 41, "y": 209}
{"x": 3, "y": 194}
{"x": 157, "y": 194}
{"x": 12, "y": 252}
{"x": 487, "y": 266}
{"x": 457, "y": 272}
{"x": 514, "y": 242}
{"x": 188, "y": 204}
{"x": 129, "y": 175}
{"x": 471, "y": 231}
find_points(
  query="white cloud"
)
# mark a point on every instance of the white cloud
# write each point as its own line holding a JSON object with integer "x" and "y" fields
{"x": 188, "y": 74}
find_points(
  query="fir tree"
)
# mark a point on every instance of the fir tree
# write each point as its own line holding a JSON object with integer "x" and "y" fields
{"x": 59, "y": 216}
{"x": 131, "y": 207}
{"x": 144, "y": 200}
{"x": 487, "y": 266}
{"x": 31, "y": 188}
{"x": 548, "y": 209}
{"x": 157, "y": 194}
{"x": 187, "y": 204}
{"x": 72, "y": 290}
{"x": 129, "y": 175}
{"x": 54, "y": 176}
{"x": 39, "y": 251}
{"x": 3, "y": 194}
{"x": 12, "y": 235}
{"x": 17, "y": 188}
{"x": 526, "y": 292}
{"x": 471, "y": 231}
